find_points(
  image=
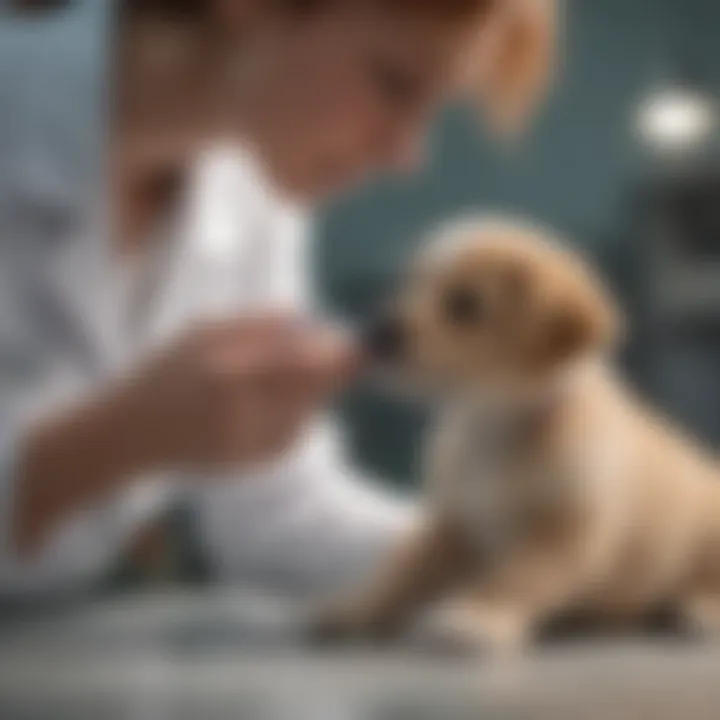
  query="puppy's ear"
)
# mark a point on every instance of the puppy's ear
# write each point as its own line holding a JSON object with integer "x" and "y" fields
{"x": 584, "y": 324}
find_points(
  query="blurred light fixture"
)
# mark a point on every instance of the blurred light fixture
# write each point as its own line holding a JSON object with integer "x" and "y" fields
{"x": 678, "y": 117}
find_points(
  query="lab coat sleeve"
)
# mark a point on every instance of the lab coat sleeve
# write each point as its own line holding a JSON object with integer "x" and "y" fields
{"x": 324, "y": 454}
{"x": 310, "y": 523}
{"x": 313, "y": 520}
{"x": 289, "y": 271}
{"x": 358, "y": 515}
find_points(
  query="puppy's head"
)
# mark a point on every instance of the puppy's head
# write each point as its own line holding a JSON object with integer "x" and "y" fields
{"x": 493, "y": 306}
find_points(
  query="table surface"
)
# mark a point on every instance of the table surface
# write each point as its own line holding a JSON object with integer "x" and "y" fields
{"x": 226, "y": 654}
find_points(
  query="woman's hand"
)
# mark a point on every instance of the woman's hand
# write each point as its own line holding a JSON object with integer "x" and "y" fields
{"x": 228, "y": 394}
{"x": 234, "y": 392}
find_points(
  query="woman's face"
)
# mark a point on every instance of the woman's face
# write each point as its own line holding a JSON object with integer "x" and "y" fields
{"x": 332, "y": 97}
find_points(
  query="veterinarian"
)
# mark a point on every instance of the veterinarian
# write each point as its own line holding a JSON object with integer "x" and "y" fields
{"x": 152, "y": 289}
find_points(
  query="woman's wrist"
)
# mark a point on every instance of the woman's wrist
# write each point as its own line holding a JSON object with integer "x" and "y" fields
{"x": 76, "y": 458}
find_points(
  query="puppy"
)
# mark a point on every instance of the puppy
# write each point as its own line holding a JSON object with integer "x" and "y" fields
{"x": 550, "y": 489}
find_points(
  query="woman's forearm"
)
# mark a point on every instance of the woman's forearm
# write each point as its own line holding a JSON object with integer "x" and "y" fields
{"x": 211, "y": 400}
{"x": 71, "y": 461}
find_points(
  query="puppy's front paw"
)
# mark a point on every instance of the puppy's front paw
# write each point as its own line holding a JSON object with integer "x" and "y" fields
{"x": 470, "y": 631}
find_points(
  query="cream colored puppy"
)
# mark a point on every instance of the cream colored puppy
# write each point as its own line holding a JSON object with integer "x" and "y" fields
{"x": 550, "y": 488}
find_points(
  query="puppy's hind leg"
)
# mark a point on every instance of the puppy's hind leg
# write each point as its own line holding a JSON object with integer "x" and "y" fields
{"x": 473, "y": 626}
{"x": 533, "y": 581}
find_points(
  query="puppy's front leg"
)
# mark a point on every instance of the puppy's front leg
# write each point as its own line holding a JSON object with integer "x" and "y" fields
{"x": 428, "y": 564}
{"x": 473, "y": 625}
{"x": 535, "y": 579}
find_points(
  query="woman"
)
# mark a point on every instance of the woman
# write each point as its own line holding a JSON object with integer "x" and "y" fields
{"x": 150, "y": 341}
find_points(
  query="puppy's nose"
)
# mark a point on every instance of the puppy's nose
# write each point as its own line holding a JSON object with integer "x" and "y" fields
{"x": 386, "y": 339}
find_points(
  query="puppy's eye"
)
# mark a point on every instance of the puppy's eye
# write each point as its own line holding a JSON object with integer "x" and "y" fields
{"x": 463, "y": 306}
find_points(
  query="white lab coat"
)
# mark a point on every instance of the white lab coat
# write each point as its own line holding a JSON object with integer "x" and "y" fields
{"x": 66, "y": 326}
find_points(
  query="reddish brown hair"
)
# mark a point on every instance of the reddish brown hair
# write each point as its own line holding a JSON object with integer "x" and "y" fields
{"x": 523, "y": 46}
{"x": 522, "y": 32}
{"x": 524, "y": 62}
{"x": 523, "y": 35}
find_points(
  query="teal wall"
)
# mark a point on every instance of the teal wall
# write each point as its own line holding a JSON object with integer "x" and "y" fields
{"x": 573, "y": 171}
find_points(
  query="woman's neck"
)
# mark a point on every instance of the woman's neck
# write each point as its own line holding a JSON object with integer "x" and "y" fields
{"x": 140, "y": 202}
{"x": 163, "y": 115}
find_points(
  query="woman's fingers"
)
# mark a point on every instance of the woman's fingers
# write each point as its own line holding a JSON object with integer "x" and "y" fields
{"x": 283, "y": 347}
{"x": 282, "y": 379}
{"x": 239, "y": 391}
{"x": 322, "y": 359}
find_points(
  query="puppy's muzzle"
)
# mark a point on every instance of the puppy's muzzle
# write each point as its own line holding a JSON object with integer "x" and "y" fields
{"x": 386, "y": 340}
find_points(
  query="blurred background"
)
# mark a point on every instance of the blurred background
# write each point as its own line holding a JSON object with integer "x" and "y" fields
{"x": 624, "y": 162}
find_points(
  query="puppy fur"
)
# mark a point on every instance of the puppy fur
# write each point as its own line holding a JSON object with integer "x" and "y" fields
{"x": 550, "y": 488}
